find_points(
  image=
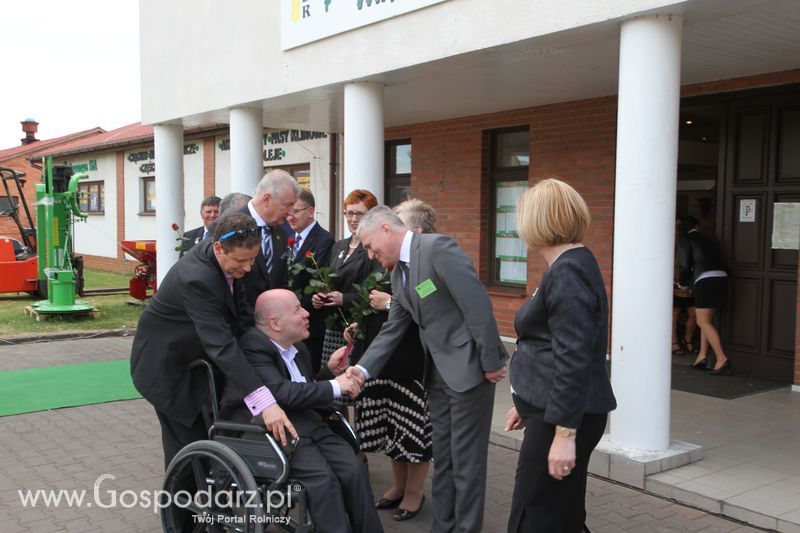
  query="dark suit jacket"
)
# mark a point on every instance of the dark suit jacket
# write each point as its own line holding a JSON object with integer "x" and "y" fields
{"x": 455, "y": 319}
{"x": 193, "y": 236}
{"x": 193, "y": 315}
{"x": 354, "y": 270}
{"x": 319, "y": 241}
{"x": 298, "y": 400}
{"x": 258, "y": 280}
{"x": 562, "y": 339}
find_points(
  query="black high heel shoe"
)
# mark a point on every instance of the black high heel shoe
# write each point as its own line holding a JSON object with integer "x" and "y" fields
{"x": 385, "y": 503}
{"x": 724, "y": 369}
{"x": 404, "y": 514}
{"x": 688, "y": 347}
{"x": 699, "y": 365}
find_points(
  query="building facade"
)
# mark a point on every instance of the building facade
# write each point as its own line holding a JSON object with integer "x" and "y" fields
{"x": 120, "y": 197}
{"x": 648, "y": 107}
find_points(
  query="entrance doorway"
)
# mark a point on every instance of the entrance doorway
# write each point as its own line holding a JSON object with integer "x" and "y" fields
{"x": 762, "y": 169}
{"x": 738, "y": 158}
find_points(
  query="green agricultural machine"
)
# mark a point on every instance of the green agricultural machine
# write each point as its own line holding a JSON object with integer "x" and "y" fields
{"x": 60, "y": 273}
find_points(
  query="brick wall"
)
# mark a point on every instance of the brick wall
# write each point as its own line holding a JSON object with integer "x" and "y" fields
{"x": 573, "y": 140}
{"x": 797, "y": 329}
{"x": 209, "y": 169}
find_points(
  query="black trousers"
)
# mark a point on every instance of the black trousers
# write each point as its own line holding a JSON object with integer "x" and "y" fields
{"x": 542, "y": 504}
{"x": 175, "y": 435}
{"x": 337, "y": 481}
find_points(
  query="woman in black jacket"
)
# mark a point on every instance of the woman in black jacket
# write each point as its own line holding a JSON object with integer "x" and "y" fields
{"x": 702, "y": 268}
{"x": 559, "y": 382}
{"x": 351, "y": 264}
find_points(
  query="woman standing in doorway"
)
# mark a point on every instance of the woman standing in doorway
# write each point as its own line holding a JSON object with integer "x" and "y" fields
{"x": 701, "y": 267}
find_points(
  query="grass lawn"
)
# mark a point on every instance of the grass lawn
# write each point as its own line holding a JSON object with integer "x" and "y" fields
{"x": 114, "y": 311}
{"x": 99, "y": 279}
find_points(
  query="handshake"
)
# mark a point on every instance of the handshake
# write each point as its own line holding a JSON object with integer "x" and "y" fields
{"x": 350, "y": 378}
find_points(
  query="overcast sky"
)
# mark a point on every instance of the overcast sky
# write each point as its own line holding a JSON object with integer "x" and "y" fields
{"x": 69, "y": 64}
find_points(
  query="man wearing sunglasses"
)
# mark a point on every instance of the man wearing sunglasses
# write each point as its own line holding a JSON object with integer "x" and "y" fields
{"x": 199, "y": 310}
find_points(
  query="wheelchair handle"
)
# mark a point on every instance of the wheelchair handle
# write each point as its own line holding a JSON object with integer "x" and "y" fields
{"x": 211, "y": 384}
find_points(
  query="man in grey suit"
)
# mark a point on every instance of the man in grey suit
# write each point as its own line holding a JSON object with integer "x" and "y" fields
{"x": 435, "y": 285}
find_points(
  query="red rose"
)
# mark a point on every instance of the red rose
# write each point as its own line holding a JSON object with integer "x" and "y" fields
{"x": 290, "y": 241}
{"x": 175, "y": 226}
{"x": 309, "y": 253}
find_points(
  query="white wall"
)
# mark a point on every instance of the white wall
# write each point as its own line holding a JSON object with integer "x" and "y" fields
{"x": 244, "y": 63}
{"x": 313, "y": 152}
{"x": 143, "y": 226}
{"x": 98, "y": 235}
{"x": 138, "y": 225}
{"x": 192, "y": 183}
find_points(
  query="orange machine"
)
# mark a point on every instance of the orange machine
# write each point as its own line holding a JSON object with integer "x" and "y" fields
{"x": 144, "y": 278}
{"x": 19, "y": 269}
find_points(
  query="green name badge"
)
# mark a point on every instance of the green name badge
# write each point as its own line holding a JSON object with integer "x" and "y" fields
{"x": 426, "y": 288}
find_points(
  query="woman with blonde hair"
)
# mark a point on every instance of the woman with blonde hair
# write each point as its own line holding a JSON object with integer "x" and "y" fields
{"x": 559, "y": 382}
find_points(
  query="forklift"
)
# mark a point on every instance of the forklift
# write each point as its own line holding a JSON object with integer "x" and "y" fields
{"x": 42, "y": 263}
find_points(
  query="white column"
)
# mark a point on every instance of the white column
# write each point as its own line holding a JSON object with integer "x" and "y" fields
{"x": 247, "y": 149}
{"x": 363, "y": 138}
{"x": 169, "y": 195}
{"x": 644, "y": 230}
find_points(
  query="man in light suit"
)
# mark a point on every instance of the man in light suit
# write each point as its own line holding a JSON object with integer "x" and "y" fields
{"x": 435, "y": 285}
{"x": 274, "y": 197}
{"x": 209, "y": 212}
{"x": 337, "y": 481}
{"x": 309, "y": 236}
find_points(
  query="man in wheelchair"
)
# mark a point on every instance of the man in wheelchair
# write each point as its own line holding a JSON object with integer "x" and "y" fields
{"x": 336, "y": 480}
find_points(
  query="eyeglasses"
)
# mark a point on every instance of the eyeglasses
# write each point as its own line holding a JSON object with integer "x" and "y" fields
{"x": 241, "y": 233}
{"x": 353, "y": 214}
{"x": 298, "y": 210}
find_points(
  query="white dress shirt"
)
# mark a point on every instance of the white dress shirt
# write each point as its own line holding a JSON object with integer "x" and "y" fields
{"x": 288, "y": 355}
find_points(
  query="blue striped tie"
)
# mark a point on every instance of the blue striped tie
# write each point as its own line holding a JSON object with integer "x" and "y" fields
{"x": 266, "y": 247}
{"x": 297, "y": 244}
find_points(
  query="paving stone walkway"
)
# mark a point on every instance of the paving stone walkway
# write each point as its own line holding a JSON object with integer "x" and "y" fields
{"x": 73, "y": 448}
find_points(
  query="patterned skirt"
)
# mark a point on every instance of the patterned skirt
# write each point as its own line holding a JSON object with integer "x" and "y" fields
{"x": 334, "y": 340}
{"x": 392, "y": 417}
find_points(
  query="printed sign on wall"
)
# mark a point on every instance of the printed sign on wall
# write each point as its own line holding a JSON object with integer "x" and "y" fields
{"x": 305, "y": 21}
{"x": 747, "y": 210}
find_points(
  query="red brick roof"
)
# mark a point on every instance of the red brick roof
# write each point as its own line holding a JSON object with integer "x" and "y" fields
{"x": 39, "y": 146}
{"x": 128, "y": 135}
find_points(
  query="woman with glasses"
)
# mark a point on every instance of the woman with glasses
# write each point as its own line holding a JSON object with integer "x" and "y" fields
{"x": 351, "y": 264}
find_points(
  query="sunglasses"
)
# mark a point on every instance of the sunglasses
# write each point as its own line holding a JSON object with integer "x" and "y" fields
{"x": 241, "y": 233}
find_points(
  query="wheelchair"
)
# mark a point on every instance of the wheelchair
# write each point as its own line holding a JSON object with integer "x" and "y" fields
{"x": 230, "y": 481}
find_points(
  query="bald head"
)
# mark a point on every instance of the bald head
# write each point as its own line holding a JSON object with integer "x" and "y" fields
{"x": 279, "y": 316}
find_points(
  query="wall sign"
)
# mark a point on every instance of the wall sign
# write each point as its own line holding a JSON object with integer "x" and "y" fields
{"x": 747, "y": 210}
{"x": 786, "y": 226}
{"x": 278, "y": 137}
{"x": 305, "y": 21}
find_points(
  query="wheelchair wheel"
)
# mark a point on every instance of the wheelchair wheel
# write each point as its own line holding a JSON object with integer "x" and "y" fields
{"x": 209, "y": 488}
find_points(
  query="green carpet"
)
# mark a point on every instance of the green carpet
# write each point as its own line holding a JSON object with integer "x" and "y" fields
{"x": 41, "y": 389}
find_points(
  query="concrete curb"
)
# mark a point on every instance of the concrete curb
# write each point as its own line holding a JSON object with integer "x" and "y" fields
{"x": 88, "y": 334}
